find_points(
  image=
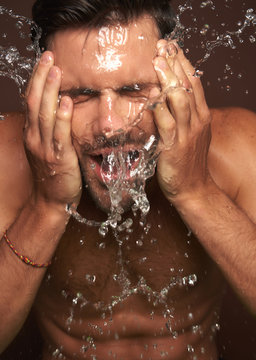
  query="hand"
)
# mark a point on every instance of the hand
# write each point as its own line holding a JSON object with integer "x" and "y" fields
{"x": 47, "y": 137}
{"x": 183, "y": 122}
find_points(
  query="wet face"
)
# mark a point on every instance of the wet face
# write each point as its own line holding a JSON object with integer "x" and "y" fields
{"x": 109, "y": 74}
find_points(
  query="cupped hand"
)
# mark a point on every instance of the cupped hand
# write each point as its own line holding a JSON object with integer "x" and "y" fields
{"x": 47, "y": 137}
{"x": 183, "y": 122}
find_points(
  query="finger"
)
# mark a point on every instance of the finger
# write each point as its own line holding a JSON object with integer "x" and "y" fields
{"x": 161, "y": 46}
{"x": 176, "y": 96}
{"x": 35, "y": 89}
{"x": 49, "y": 105}
{"x": 169, "y": 50}
{"x": 164, "y": 121}
{"x": 198, "y": 91}
{"x": 62, "y": 129}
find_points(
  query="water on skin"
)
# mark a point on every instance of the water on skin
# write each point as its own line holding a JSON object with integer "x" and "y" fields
{"x": 19, "y": 67}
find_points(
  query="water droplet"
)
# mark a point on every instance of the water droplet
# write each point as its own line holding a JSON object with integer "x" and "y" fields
{"x": 175, "y": 335}
{"x": 19, "y": 24}
{"x": 190, "y": 316}
{"x": 139, "y": 242}
{"x": 207, "y": 3}
{"x": 84, "y": 348}
{"x": 252, "y": 39}
{"x": 147, "y": 228}
{"x": 195, "y": 328}
{"x": 190, "y": 348}
{"x": 103, "y": 230}
{"x": 56, "y": 352}
{"x": 202, "y": 350}
{"x": 192, "y": 279}
{"x": 64, "y": 294}
{"x": 198, "y": 73}
{"x": 142, "y": 260}
{"x": 90, "y": 278}
{"x": 204, "y": 29}
{"x": 70, "y": 273}
{"x": 215, "y": 327}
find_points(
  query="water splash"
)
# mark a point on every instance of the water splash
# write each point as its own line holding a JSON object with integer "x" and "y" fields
{"x": 115, "y": 168}
{"x": 13, "y": 63}
{"x": 225, "y": 39}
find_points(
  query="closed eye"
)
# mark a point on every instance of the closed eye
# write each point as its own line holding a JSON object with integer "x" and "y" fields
{"x": 135, "y": 91}
{"x": 83, "y": 98}
{"x": 80, "y": 95}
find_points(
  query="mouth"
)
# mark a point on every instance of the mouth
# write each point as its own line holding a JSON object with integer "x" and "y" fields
{"x": 117, "y": 164}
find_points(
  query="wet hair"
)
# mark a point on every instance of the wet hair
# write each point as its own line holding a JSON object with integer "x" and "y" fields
{"x": 55, "y": 15}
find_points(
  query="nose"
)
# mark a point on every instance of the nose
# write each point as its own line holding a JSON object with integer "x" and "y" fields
{"x": 111, "y": 113}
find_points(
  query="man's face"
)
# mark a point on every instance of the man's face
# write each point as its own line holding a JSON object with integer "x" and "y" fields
{"x": 109, "y": 74}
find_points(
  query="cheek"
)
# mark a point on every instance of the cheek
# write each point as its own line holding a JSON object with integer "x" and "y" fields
{"x": 81, "y": 125}
{"x": 147, "y": 123}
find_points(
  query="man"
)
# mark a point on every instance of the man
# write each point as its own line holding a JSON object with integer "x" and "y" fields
{"x": 106, "y": 83}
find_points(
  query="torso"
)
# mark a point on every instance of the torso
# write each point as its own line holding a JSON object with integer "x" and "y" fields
{"x": 153, "y": 295}
{"x": 145, "y": 296}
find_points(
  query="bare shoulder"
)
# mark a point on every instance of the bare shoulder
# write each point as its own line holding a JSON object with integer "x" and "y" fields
{"x": 232, "y": 120}
{"x": 10, "y": 125}
{"x": 233, "y": 131}
{"x": 232, "y": 154}
{"x": 15, "y": 173}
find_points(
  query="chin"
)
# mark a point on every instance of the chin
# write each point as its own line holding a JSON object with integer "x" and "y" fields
{"x": 101, "y": 197}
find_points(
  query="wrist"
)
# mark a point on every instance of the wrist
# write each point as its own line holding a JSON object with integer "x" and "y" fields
{"x": 53, "y": 210}
{"x": 44, "y": 217}
{"x": 37, "y": 231}
{"x": 195, "y": 196}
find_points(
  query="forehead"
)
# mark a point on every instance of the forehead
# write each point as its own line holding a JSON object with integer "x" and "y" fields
{"x": 106, "y": 57}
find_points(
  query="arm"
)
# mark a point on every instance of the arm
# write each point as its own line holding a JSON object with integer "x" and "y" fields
{"x": 56, "y": 181}
{"x": 227, "y": 234}
{"x": 222, "y": 226}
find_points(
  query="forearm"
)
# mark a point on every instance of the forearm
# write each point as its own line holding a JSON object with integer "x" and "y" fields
{"x": 35, "y": 234}
{"x": 227, "y": 234}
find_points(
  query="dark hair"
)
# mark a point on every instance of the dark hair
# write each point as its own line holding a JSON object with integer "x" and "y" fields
{"x": 54, "y": 15}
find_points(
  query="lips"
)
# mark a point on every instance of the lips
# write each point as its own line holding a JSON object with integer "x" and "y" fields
{"x": 116, "y": 164}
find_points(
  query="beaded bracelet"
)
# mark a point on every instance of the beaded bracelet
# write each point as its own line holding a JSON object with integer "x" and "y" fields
{"x": 23, "y": 258}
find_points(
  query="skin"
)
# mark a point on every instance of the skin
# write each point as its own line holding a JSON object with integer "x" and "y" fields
{"x": 195, "y": 173}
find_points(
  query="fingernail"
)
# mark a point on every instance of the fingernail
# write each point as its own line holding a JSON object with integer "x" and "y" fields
{"x": 162, "y": 50}
{"x": 172, "y": 50}
{"x": 45, "y": 58}
{"x": 161, "y": 43}
{"x": 53, "y": 73}
{"x": 64, "y": 103}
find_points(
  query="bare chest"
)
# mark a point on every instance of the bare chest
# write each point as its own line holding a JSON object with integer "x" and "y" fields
{"x": 154, "y": 283}
{"x": 159, "y": 261}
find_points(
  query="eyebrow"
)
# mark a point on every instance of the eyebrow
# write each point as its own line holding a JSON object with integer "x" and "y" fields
{"x": 74, "y": 92}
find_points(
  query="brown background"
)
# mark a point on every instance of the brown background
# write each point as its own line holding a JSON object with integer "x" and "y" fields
{"x": 238, "y": 328}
